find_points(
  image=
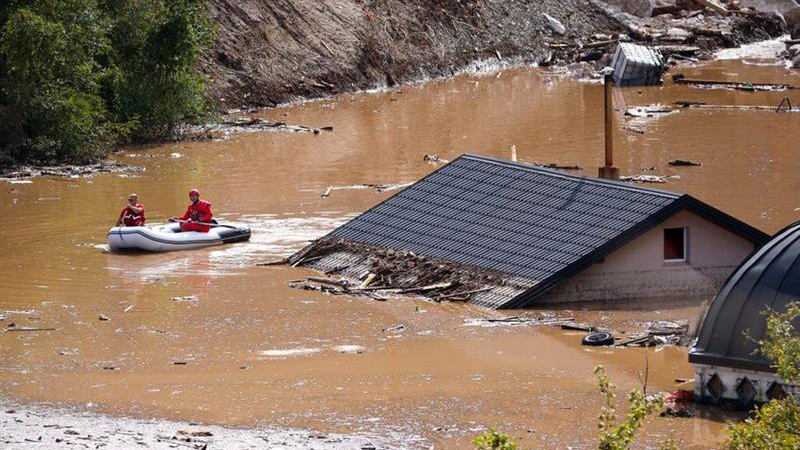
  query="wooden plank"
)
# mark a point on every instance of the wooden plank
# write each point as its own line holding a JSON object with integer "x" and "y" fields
{"x": 713, "y": 6}
{"x": 459, "y": 294}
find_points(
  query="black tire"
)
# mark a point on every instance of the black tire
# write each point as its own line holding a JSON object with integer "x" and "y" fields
{"x": 598, "y": 339}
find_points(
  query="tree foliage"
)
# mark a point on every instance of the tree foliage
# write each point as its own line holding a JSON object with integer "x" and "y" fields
{"x": 776, "y": 425}
{"x": 618, "y": 436}
{"x": 77, "y": 76}
{"x": 493, "y": 440}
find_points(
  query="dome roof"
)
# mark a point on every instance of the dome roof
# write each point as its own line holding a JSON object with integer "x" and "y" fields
{"x": 768, "y": 279}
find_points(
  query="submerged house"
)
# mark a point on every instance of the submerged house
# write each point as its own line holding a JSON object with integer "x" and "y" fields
{"x": 724, "y": 357}
{"x": 551, "y": 237}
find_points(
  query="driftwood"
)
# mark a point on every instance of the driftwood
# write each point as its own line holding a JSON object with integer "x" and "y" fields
{"x": 304, "y": 260}
{"x": 600, "y": 43}
{"x": 376, "y": 187}
{"x": 679, "y": 78}
{"x": 644, "y": 178}
{"x": 686, "y": 50}
{"x": 522, "y": 320}
{"x": 19, "y": 329}
{"x": 634, "y": 129}
{"x": 684, "y": 162}
{"x": 560, "y": 166}
{"x": 701, "y": 105}
{"x": 577, "y": 327}
{"x": 641, "y": 340}
{"x": 336, "y": 269}
{"x": 367, "y": 281}
{"x": 712, "y": 6}
{"x": 342, "y": 283}
{"x": 459, "y": 294}
{"x": 687, "y": 103}
{"x": 426, "y": 288}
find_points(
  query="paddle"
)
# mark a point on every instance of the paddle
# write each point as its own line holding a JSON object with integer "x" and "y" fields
{"x": 212, "y": 225}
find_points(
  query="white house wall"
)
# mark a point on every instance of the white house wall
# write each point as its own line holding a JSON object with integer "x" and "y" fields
{"x": 638, "y": 271}
{"x": 731, "y": 378}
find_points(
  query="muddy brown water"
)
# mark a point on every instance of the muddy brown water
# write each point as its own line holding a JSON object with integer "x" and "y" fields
{"x": 255, "y": 353}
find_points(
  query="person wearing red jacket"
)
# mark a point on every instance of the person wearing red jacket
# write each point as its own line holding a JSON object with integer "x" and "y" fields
{"x": 133, "y": 214}
{"x": 198, "y": 211}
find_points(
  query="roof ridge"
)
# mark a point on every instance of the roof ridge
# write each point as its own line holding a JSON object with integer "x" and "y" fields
{"x": 556, "y": 173}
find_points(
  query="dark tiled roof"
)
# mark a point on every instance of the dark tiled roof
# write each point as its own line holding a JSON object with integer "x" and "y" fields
{"x": 534, "y": 223}
{"x": 769, "y": 278}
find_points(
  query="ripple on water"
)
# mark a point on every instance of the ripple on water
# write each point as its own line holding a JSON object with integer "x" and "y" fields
{"x": 273, "y": 236}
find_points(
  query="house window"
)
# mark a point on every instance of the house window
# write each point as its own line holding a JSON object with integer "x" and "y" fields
{"x": 675, "y": 244}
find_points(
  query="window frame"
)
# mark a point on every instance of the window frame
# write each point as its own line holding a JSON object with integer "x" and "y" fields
{"x": 685, "y": 258}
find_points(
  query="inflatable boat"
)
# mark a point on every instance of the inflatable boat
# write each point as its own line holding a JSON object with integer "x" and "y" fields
{"x": 167, "y": 238}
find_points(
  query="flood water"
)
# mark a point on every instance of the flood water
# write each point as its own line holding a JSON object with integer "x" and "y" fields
{"x": 254, "y": 352}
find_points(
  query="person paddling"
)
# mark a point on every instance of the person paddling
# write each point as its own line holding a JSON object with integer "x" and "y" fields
{"x": 131, "y": 215}
{"x": 198, "y": 211}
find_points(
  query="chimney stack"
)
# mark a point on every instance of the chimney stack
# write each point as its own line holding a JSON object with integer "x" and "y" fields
{"x": 608, "y": 171}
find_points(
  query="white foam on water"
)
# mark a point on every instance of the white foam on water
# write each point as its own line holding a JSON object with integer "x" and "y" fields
{"x": 278, "y": 353}
{"x": 349, "y": 348}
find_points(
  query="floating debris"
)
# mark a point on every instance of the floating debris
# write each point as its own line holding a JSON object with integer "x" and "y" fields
{"x": 648, "y": 111}
{"x": 684, "y": 162}
{"x": 71, "y": 171}
{"x": 679, "y": 78}
{"x": 434, "y": 159}
{"x": 186, "y": 298}
{"x": 376, "y": 187}
{"x": 559, "y": 166}
{"x": 633, "y": 129}
{"x": 644, "y": 178}
{"x": 637, "y": 65}
{"x": 659, "y": 333}
{"x": 517, "y": 320}
{"x": 349, "y": 349}
{"x": 243, "y": 125}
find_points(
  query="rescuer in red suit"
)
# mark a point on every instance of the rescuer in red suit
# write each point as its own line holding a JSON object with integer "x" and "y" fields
{"x": 198, "y": 211}
{"x": 133, "y": 214}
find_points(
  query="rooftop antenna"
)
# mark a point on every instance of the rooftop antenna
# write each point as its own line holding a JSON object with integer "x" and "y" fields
{"x": 608, "y": 171}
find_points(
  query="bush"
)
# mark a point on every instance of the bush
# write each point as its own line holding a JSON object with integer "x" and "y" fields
{"x": 618, "y": 436}
{"x": 77, "y": 76}
{"x": 776, "y": 425}
{"x": 493, "y": 440}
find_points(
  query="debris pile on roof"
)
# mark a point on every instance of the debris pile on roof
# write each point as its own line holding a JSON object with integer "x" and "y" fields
{"x": 377, "y": 272}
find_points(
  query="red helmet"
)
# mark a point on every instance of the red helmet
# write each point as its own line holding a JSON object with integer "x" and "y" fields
{"x": 194, "y": 192}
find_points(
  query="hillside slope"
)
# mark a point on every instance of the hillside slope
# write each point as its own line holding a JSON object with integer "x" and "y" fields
{"x": 271, "y": 51}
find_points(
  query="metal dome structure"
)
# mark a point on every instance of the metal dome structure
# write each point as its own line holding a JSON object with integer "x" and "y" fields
{"x": 725, "y": 358}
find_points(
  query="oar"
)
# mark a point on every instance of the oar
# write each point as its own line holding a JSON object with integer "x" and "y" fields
{"x": 212, "y": 225}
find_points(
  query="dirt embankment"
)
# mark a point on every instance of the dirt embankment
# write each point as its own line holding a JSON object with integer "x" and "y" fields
{"x": 268, "y": 52}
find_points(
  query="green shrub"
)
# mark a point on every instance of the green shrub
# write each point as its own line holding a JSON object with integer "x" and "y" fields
{"x": 77, "y": 76}
{"x": 618, "y": 436}
{"x": 493, "y": 440}
{"x": 776, "y": 425}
